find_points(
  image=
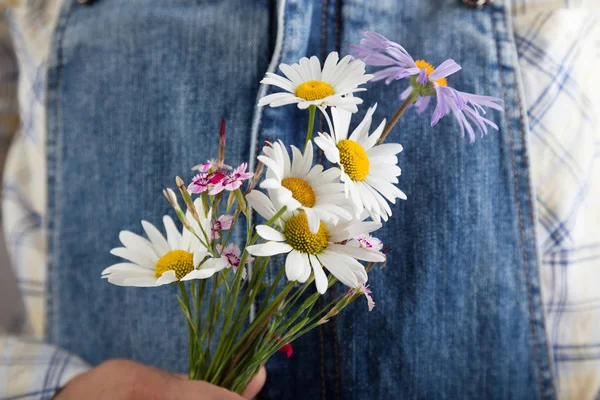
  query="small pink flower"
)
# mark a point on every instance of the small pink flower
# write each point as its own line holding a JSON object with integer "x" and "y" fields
{"x": 233, "y": 255}
{"x": 207, "y": 181}
{"x": 235, "y": 179}
{"x": 200, "y": 183}
{"x": 364, "y": 289}
{"x": 369, "y": 242}
{"x": 222, "y": 223}
{"x": 287, "y": 349}
{"x": 210, "y": 166}
{"x": 216, "y": 177}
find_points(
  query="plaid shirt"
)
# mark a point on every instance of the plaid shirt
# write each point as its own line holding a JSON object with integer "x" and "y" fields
{"x": 557, "y": 46}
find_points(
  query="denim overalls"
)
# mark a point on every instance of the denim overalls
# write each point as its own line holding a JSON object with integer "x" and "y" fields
{"x": 136, "y": 90}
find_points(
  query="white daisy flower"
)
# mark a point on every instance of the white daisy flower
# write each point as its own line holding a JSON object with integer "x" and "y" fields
{"x": 368, "y": 170}
{"x": 308, "y": 251}
{"x": 298, "y": 184}
{"x": 158, "y": 260}
{"x": 307, "y": 84}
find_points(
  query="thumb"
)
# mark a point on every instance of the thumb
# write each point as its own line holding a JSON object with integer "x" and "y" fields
{"x": 193, "y": 390}
{"x": 256, "y": 384}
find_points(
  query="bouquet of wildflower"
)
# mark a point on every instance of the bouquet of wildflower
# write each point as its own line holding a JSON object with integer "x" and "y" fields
{"x": 321, "y": 218}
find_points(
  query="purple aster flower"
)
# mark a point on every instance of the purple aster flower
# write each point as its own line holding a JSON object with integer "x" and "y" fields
{"x": 426, "y": 82}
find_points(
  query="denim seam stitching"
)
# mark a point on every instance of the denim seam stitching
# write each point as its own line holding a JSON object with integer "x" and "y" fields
{"x": 323, "y": 27}
{"x": 258, "y": 112}
{"x": 519, "y": 208}
{"x": 336, "y": 349}
{"x": 530, "y": 197}
{"x": 54, "y": 82}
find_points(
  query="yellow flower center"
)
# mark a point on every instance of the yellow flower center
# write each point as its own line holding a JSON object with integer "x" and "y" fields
{"x": 354, "y": 159}
{"x": 180, "y": 261}
{"x": 314, "y": 90}
{"x": 301, "y": 191}
{"x": 298, "y": 235}
{"x": 429, "y": 69}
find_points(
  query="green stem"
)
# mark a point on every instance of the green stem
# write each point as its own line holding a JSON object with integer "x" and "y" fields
{"x": 409, "y": 101}
{"x": 254, "y": 331}
{"x": 211, "y": 312}
{"x": 311, "y": 123}
{"x": 186, "y": 301}
{"x": 240, "y": 316}
{"x": 236, "y": 214}
{"x": 199, "y": 299}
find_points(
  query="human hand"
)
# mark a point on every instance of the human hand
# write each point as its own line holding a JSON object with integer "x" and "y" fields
{"x": 128, "y": 380}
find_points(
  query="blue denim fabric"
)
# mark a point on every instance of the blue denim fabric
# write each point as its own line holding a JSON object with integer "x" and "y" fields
{"x": 136, "y": 91}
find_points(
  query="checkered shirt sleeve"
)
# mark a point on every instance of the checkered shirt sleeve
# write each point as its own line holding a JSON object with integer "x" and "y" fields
{"x": 558, "y": 45}
{"x": 29, "y": 369}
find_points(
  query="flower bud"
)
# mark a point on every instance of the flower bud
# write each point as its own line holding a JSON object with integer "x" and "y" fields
{"x": 187, "y": 198}
{"x": 171, "y": 198}
{"x": 221, "y": 156}
{"x": 241, "y": 201}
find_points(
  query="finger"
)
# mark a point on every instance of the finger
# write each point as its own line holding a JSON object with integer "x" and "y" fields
{"x": 194, "y": 390}
{"x": 256, "y": 384}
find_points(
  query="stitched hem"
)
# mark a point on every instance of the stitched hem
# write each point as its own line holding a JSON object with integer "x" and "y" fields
{"x": 53, "y": 161}
{"x": 255, "y": 135}
{"x": 521, "y": 171}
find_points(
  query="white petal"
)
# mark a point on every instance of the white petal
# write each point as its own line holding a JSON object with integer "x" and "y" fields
{"x": 329, "y": 66}
{"x": 357, "y": 252}
{"x": 270, "y": 184}
{"x": 388, "y": 190}
{"x": 331, "y": 152}
{"x": 186, "y": 239}
{"x": 269, "y": 249}
{"x": 157, "y": 239}
{"x": 199, "y": 255}
{"x": 336, "y": 265}
{"x": 268, "y": 233}
{"x": 341, "y": 123}
{"x": 370, "y": 141}
{"x": 199, "y": 274}
{"x": 385, "y": 149}
{"x": 291, "y": 73}
{"x": 134, "y": 257}
{"x": 306, "y": 270}
{"x": 361, "y": 132}
{"x": 173, "y": 235}
{"x": 167, "y": 277}
{"x": 216, "y": 264}
{"x": 144, "y": 279}
{"x": 138, "y": 244}
{"x": 315, "y": 66}
{"x": 123, "y": 268}
{"x": 261, "y": 204}
{"x": 314, "y": 172}
{"x": 295, "y": 263}
{"x": 277, "y": 99}
{"x": 361, "y": 228}
{"x": 279, "y": 81}
{"x": 355, "y": 197}
{"x": 305, "y": 69}
{"x": 320, "y": 277}
{"x": 273, "y": 165}
{"x": 313, "y": 220}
